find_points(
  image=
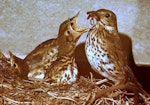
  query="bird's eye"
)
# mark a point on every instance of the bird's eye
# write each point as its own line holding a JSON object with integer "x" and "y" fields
{"x": 68, "y": 32}
{"x": 14, "y": 65}
{"x": 107, "y": 15}
{"x": 71, "y": 24}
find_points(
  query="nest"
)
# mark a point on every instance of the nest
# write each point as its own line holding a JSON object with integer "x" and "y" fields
{"x": 15, "y": 91}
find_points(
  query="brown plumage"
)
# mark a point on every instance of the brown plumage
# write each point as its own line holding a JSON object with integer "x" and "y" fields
{"x": 106, "y": 56}
{"x": 4, "y": 62}
{"x": 41, "y": 58}
{"x": 64, "y": 70}
{"x": 46, "y": 53}
{"x": 18, "y": 66}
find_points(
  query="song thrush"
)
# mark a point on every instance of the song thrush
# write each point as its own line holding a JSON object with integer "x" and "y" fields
{"x": 18, "y": 66}
{"x": 44, "y": 54}
{"x": 64, "y": 70}
{"x": 105, "y": 53}
{"x": 41, "y": 58}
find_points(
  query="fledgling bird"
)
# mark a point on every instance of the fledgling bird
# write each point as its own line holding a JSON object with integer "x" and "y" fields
{"x": 64, "y": 70}
{"x": 106, "y": 56}
{"x": 46, "y": 53}
{"x": 41, "y": 58}
{"x": 18, "y": 66}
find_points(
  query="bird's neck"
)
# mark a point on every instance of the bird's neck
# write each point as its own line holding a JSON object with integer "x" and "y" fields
{"x": 68, "y": 53}
{"x": 66, "y": 49}
{"x": 110, "y": 29}
{"x": 66, "y": 59}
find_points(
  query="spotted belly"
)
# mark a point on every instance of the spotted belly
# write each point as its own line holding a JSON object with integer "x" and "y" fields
{"x": 68, "y": 76}
{"x": 64, "y": 71}
{"x": 99, "y": 59}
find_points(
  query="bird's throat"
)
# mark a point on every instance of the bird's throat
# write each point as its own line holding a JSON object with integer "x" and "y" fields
{"x": 108, "y": 28}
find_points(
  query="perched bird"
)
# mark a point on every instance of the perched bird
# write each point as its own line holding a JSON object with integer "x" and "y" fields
{"x": 41, "y": 58}
{"x": 46, "y": 53}
{"x": 18, "y": 66}
{"x": 105, "y": 53}
{"x": 64, "y": 70}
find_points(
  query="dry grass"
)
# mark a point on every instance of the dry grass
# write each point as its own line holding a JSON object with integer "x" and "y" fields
{"x": 14, "y": 91}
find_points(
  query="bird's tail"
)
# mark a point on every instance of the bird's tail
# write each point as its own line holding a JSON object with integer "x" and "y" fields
{"x": 133, "y": 81}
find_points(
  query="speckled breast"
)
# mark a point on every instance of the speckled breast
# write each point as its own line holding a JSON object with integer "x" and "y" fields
{"x": 63, "y": 71}
{"x": 97, "y": 55}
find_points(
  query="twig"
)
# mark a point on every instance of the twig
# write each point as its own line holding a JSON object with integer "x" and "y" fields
{"x": 101, "y": 81}
{"x": 98, "y": 102}
{"x": 16, "y": 102}
{"x": 110, "y": 99}
{"x": 128, "y": 101}
{"x": 6, "y": 86}
{"x": 147, "y": 101}
{"x": 91, "y": 77}
{"x": 63, "y": 98}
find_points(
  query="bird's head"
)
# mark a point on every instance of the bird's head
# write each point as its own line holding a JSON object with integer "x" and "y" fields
{"x": 18, "y": 66}
{"x": 106, "y": 17}
{"x": 69, "y": 33}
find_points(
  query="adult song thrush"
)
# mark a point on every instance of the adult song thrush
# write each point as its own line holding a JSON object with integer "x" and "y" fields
{"x": 106, "y": 56}
{"x": 64, "y": 70}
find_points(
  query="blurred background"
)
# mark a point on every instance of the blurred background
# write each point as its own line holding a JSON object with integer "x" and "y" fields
{"x": 26, "y": 23}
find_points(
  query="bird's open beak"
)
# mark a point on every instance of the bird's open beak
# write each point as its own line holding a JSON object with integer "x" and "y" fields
{"x": 75, "y": 26}
{"x": 76, "y": 29}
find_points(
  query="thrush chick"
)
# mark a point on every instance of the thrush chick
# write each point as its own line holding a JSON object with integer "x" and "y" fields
{"x": 44, "y": 54}
{"x": 18, "y": 66}
{"x": 64, "y": 70}
{"x": 106, "y": 56}
{"x": 41, "y": 58}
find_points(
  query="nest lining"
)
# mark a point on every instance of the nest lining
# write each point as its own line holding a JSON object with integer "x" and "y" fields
{"x": 15, "y": 91}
